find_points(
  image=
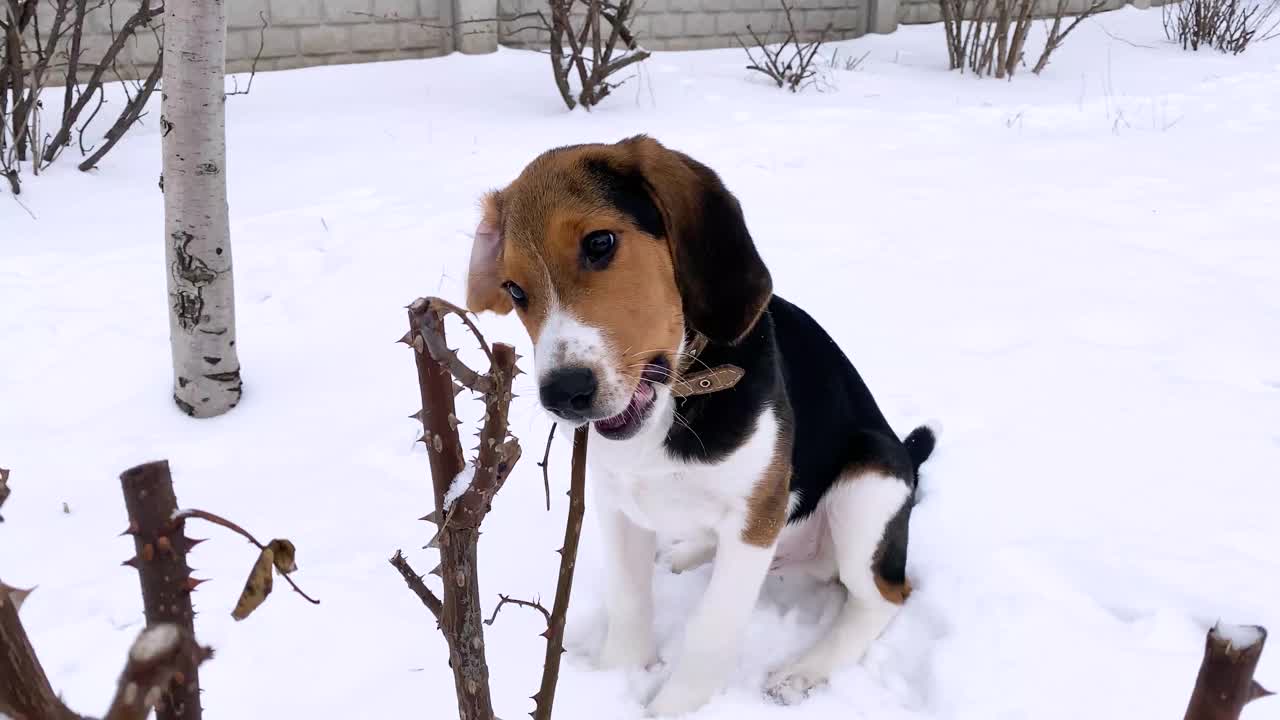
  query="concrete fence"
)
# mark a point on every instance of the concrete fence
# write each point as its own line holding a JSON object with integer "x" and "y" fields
{"x": 299, "y": 33}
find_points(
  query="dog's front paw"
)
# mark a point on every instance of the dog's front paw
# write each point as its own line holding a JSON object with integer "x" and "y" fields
{"x": 677, "y": 697}
{"x": 685, "y": 555}
{"x": 792, "y": 686}
{"x": 624, "y": 649}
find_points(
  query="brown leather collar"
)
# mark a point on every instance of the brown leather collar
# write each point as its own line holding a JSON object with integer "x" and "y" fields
{"x": 712, "y": 379}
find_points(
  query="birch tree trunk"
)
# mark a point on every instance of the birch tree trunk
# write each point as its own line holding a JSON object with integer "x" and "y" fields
{"x": 202, "y": 332}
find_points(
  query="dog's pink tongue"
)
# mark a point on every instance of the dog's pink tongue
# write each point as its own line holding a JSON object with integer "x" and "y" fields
{"x": 642, "y": 395}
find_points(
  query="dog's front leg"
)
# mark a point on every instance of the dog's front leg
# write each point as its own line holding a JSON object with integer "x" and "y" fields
{"x": 629, "y": 640}
{"x": 711, "y": 642}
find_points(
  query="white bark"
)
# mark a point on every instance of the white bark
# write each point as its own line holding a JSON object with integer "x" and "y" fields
{"x": 197, "y": 235}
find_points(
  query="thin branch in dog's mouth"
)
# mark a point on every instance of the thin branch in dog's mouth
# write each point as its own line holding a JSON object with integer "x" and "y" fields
{"x": 655, "y": 373}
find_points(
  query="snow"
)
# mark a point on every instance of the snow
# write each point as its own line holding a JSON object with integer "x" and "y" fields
{"x": 1239, "y": 637}
{"x": 154, "y": 642}
{"x": 1078, "y": 273}
{"x": 459, "y": 485}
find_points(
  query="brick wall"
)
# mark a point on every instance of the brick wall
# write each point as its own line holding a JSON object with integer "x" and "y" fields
{"x": 292, "y": 33}
{"x": 929, "y": 11}
{"x": 298, "y": 33}
{"x": 704, "y": 24}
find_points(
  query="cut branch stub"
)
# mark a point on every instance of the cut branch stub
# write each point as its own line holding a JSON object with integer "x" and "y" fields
{"x": 164, "y": 574}
{"x": 435, "y": 385}
{"x": 1225, "y": 682}
{"x": 153, "y": 665}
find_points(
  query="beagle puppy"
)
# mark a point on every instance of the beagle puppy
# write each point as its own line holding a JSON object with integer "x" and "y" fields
{"x": 721, "y": 414}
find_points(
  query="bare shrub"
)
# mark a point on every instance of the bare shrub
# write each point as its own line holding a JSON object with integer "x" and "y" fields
{"x": 989, "y": 37}
{"x": 39, "y": 47}
{"x": 594, "y": 48}
{"x": 790, "y": 64}
{"x": 1229, "y": 26}
{"x": 852, "y": 63}
{"x": 29, "y": 58}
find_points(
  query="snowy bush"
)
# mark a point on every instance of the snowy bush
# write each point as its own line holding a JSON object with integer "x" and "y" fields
{"x": 791, "y": 69}
{"x": 1225, "y": 25}
{"x": 989, "y": 37}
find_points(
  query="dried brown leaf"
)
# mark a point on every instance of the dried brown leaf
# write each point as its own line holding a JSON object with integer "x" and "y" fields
{"x": 283, "y": 552}
{"x": 257, "y": 587}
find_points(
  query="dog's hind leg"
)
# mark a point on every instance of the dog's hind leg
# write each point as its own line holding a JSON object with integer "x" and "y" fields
{"x": 867, "y": 513}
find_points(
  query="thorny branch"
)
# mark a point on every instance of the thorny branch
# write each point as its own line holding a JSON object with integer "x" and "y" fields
{"x": 441, "y": 375}
{"x": 164, "y": 576}
{"x": 414, "y": 581}
{"x": 24, "y": 687}
{"x": 430, "y": 336}
{"x": 545, "y": 698}
{"x": 155, "y": 661}
{"x": 546, "y": 459}
{"x": 504, "y": 600}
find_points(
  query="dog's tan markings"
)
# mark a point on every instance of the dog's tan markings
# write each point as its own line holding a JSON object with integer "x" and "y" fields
{"x": 896, "y": 593}
{"x": 545, "y": 214}
{"x": 767, "y": 504}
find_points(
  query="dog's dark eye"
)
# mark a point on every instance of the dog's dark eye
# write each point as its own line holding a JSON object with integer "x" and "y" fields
{"x": 597, "y": 248}
{"x": 517, "y": 293}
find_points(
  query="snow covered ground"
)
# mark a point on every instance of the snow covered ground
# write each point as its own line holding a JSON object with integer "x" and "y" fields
{"x": 1078, "y": 274}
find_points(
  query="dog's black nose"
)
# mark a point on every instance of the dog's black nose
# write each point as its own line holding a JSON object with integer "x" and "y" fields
{"x": 569, "y": 392}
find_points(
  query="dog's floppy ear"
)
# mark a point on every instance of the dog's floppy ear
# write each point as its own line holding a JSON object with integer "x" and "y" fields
{"x": 484, "y": 276}
{"x": 724, "y": 284}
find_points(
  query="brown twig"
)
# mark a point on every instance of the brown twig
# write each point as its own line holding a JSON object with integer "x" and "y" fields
{"x": 546, "y": 458}
{"x": 504, "y": 600}
{"x": 545, "y": 698}
{"x": 414, "y": 581}
{"x": 180, "y": 517}
{"x": 253, "y": 67}
{"x": 131, "y": 114}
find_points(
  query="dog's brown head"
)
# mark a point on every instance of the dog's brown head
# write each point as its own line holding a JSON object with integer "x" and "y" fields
{"x": 608, "y": 253}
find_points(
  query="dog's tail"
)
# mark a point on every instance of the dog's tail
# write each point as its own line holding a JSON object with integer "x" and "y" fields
{"x": 920, "y": 443}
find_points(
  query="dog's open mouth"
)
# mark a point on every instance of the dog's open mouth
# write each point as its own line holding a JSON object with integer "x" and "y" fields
{"x": 628, "y": 422}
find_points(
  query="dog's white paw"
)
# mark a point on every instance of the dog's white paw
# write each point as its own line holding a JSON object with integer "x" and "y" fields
{"x": 678, "y": 697}
{"x": 792, "y": 686}
{"x": 685, "y": 555}
{"x": 626, "y": 649}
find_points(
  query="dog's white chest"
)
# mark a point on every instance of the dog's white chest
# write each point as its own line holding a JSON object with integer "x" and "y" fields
{"x": 677, "y": 498}
{"x": 669, "y": 503}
